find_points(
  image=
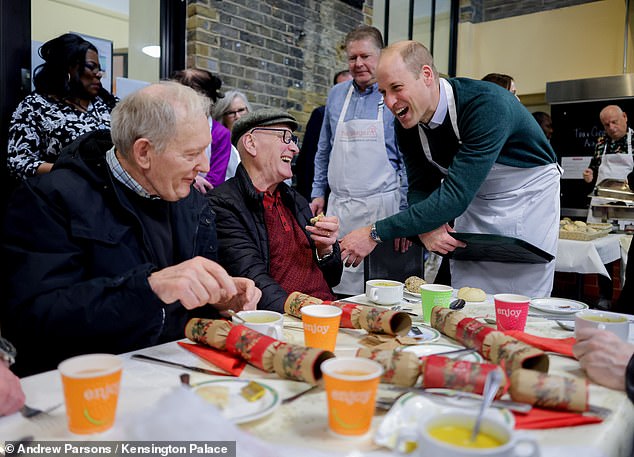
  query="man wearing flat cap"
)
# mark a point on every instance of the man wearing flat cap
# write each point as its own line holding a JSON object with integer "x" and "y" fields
{"x": 264, "y": 228}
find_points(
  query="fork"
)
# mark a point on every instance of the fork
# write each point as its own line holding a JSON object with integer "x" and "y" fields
{"x": 30, "y": 413}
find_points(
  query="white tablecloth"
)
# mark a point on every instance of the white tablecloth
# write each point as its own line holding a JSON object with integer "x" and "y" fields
{"x": 303, "y": 423}
{"x": 588, "y": 256}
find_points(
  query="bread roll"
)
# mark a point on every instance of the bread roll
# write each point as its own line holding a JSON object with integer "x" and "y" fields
{"x": 472, "y": 294}
{"x": 413, "y": 283}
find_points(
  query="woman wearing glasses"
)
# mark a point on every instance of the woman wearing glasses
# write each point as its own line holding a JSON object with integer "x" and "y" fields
{"x": 227, "y": 111}
{"x": 68, "y": 101}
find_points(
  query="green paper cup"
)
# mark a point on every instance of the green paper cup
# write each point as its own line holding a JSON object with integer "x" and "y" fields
{"x": 434, "y": 295}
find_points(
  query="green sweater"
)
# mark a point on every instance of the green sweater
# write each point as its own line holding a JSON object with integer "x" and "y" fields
{"x": 494, "y": 128}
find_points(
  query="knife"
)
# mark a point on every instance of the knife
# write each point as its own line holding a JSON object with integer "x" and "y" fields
{"x": 147, "y": 358}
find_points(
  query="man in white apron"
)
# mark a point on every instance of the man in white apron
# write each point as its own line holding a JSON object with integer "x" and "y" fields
{"x": 473, "y": 154}
{"x": 355, "y": 156}
{"x": 612, "y": 160}
{"x": 613, "y": 153}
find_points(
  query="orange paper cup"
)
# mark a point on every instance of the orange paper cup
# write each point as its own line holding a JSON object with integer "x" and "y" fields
{"x": 351, "y": 384}
{"x": 321, "y": 325}
{"x": 91, "y": 389}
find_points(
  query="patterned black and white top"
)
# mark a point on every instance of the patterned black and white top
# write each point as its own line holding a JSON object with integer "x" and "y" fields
{"x": 42, "y": 126}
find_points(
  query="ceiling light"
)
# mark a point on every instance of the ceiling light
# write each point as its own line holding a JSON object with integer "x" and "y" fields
{"x": 152, "y": 51}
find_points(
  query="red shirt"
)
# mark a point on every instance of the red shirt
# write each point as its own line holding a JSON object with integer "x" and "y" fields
{"x": 292, "y": 264}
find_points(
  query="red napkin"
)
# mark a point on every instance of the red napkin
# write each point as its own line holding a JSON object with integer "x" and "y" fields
{"x": 545, "y": 418}
{"x": 228, "y": 362}
{"x": 559, "y": 345}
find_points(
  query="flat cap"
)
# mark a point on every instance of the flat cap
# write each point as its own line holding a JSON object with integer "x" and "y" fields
{"x": 261, "y": 118}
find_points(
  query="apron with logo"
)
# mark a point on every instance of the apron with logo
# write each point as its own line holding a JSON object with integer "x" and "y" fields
{"x": 613, "y": 166}
{"x": 364, "y": 185}
{"x": 518, "y": 202}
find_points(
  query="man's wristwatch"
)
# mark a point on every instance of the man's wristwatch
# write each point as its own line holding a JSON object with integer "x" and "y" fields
{"x": 7, "y": 351}
{"x": 375, "y": 236}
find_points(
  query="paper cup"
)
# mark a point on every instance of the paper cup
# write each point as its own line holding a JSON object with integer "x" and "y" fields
{"x": 321, "y": 325}
{"x": 269, "y": 323}
{"x": 511, "y": 311}
{"x": 616, "y": 323}
{"x": 91, "y": 390}
{"x": 351, "y": 384}
{"x": 434, "y": 295}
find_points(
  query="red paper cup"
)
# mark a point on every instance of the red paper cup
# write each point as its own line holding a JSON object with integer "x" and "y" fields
{"x": 511, "y": 311}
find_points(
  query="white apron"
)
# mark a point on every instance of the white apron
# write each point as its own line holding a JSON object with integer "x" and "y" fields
{"x": 613, "y": 166}
{"x": 364, "y": 185}
{"x": 518, "y": 202}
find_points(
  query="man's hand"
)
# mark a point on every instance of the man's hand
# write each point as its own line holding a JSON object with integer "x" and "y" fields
{"x": 440, "y": 241}
{"x": 11, "y": 395}
{"x": 604, "y": 356}
{"x": 202, "y": 185}
{"x": 402, "y": 244}
{"x": 356, "y": 245}
{"x": 588, "y": 175}
{"x": 324, "y": 233}
{"x": 247, "y": 297}
{"x": 195, "y": 283}
{"x": 317, "y": 205}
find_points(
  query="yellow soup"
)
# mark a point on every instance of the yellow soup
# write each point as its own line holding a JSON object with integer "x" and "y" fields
{"x": 461, "y": 436}
{"x": 352, "y": 372}
{"x": 604, "y": 319}
{"x": 385, "y": 284}
{"x": 261, "y": 319}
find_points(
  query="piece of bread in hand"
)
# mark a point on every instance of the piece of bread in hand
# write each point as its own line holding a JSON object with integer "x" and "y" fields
{"x": 314, "y": 220}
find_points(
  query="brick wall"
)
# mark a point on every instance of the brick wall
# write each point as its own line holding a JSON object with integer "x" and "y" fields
{"x": 281, "y": 53}
{"x": 489, "y": 10}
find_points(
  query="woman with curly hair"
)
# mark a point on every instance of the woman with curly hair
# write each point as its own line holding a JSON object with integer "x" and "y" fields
{"x": 68, "y": 102}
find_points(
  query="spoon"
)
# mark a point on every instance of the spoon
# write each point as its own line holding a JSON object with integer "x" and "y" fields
{"x": 491, "y": 386}
{"x": 457, "y": 304}
{"x": 232, "y": 313}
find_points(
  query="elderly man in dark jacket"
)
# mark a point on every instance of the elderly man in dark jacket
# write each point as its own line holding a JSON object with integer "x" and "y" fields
{"x": 113, "y": 251}
{"x": 264, "y": 228}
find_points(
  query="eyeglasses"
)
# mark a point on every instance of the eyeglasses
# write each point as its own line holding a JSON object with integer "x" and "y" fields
{"x": 95, "y": 68}
{"x": 239, "y": 111}
{"x": 287, "y": 136}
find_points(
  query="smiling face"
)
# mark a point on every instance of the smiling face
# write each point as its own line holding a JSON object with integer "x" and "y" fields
{"x": 170, "y": 173}
{"x": 269, "y": 157}
{"x": 363, "y": 56}
{"x": 412, "y": 99}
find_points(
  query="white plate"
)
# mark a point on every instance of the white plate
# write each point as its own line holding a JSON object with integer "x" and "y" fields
{"x": 411, "y": 410}
{"x": 409, "y": 294}
{"x": 557, "y": 305}
{"x": 422, "y": 350}
{"x": 239, "y": 410}
{"x": 427, "y": 335}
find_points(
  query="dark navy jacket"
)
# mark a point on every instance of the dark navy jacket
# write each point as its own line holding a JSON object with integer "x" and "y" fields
{"x": 75, "y": 263}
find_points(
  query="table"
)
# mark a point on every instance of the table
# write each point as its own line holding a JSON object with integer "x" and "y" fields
{"x": 588, "y": 256}
{"x": 302, "y": 423}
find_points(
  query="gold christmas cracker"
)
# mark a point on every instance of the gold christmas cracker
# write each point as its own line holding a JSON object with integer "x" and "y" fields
{"x": 549, "y": 391}
{"x": 400, "y": 368}
{"x": 210, "y": 332}
{"x": 299, "y": 363}
{"x": 513, "y": 354}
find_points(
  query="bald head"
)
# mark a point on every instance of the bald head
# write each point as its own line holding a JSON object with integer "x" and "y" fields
{"x": 614, "y": 121}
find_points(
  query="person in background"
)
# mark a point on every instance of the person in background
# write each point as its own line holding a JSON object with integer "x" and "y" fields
{"x": 473, "y": 154}
{"x": 545, "y": 122}
{"x": 264, "y": 229}
{"x": 612, "y": 160}
{"x": 607, "y": 359}
{"x": 502, "y": 80}
{"x": 12, "y": 396}
{"x": 113, "y": 251}
{"x": 227, "y": 111}
{"x": 357, "y": 154}
{"x": 304, "y": 169}
{"x": 219, "y": 150}
{"x": 68, "y": 102}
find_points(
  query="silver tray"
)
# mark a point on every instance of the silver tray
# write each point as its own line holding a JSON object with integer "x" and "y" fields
{"x": 614, "y": 188}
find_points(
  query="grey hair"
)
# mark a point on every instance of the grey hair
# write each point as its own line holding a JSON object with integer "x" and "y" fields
{"x": 415, "y": 55}
{"x": 155, "y": 112}
{"x": 222, "y": 105}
